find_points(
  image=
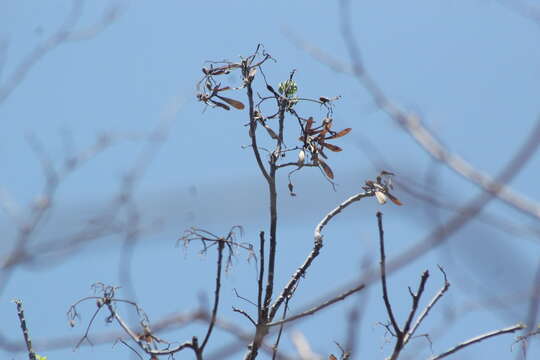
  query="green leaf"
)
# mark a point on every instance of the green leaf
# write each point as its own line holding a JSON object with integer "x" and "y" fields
{"x": 288, "y": 88}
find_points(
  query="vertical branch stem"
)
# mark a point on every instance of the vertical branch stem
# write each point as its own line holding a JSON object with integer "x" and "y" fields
{"x": 26, "y": 334}
{"x": 383, "y": 277}
{"x": 253, "y": 135}
{"x": 273, "y": 211}
{"x": 273, "y": 241}
{"x": 261, "y": 276}
{"x": 221, "y": 245}
{"x": 270, "y": 176}
{"x": 280, "y": 332}
{"x": 415, "y": 300}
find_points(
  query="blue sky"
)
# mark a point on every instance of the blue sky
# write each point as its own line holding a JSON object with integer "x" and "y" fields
{"x": 468, "y": 68}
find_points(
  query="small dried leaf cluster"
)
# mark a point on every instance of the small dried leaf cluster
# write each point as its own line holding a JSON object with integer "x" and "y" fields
{"x": 105, "y": 298}
{"x": 315, "y": 142}
{"x": 143, "y": 337}
{"x": 209, "y": 240}
{"x": 278, "y": 120}
{"x": 210, "y": 92}
{"x": 381, "y": 187}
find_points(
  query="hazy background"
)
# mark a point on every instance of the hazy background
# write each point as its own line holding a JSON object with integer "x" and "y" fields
{"x": 469, "y": 68}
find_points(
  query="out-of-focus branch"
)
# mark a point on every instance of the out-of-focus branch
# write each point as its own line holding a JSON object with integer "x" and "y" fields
{"x": 146, "y": 339}
{"x": 106, "y": 224}
{"x": 529, "y": 11}
{"x": 412, "y": 123}
{"x": 280, "y": 331}
{"x": 428, "y": 141}
{"x": 45, "y": 201}
{"x": 64, "y": 34}
{"x": 418, "y": 190}
{"x": 356, "y": 313}
{"x": 166, "y": 323}
{"x": 471, "y": 209}
{"x": 534, "y": 305}
{"x": 439, "y": 235}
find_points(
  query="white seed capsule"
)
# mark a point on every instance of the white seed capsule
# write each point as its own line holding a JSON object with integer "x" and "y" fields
{"x": 301, "y": 157}
{"x": 381, "y": 197}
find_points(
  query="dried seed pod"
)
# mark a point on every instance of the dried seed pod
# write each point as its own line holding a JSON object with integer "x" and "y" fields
{"x": 394, "y": 199}
{"x": 291, "y": 188}
{"x": 234, "y": 103}
{"x": 271, "y": 132}
{"x": 326, "y": 169}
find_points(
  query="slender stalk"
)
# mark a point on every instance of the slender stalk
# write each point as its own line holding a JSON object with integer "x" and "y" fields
{"x": 382, "y": 263}
{"x": 221, "y": 244}
{"x": 252, "y": 134}
{"x": 477, "y": 339}
{"x": 261, "y": 276}
{"x": 317, "y": 245}
{"x": 26, "y": 333}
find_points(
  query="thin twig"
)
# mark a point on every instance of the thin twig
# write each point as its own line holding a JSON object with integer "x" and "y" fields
{"x": 87, "y": 331}
{"x": 477, "y": 339}
{"x": 131, "y": 348}
{"x": 439, "y": 235}
{"x": 260, "y": 279}
{"x": 240, "y": 311}
{"x": 139, "y": 340}
{"x": 382, "y": 263}
{"x": 243, "y": 298}
{"x": 253, "y": 134}
{"x": 416, "y": 299}
{"x": 428, "y": 308}
{"x": 221, "y": 245}
{"x": 319, "y": 307}
{"x": 281, "y": 327}
{"x": 317, "y": 245}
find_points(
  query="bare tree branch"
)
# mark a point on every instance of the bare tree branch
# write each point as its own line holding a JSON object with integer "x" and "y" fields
{"x": 477, "y": 339}
{"x": 428, "y": 308}
{"x": 382, "y": 264}
{"x": 24, "y": 328}
{"x": 412, "y": 123}
{"x": 318, "y": 307}
{"x": 317, "y": 245}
